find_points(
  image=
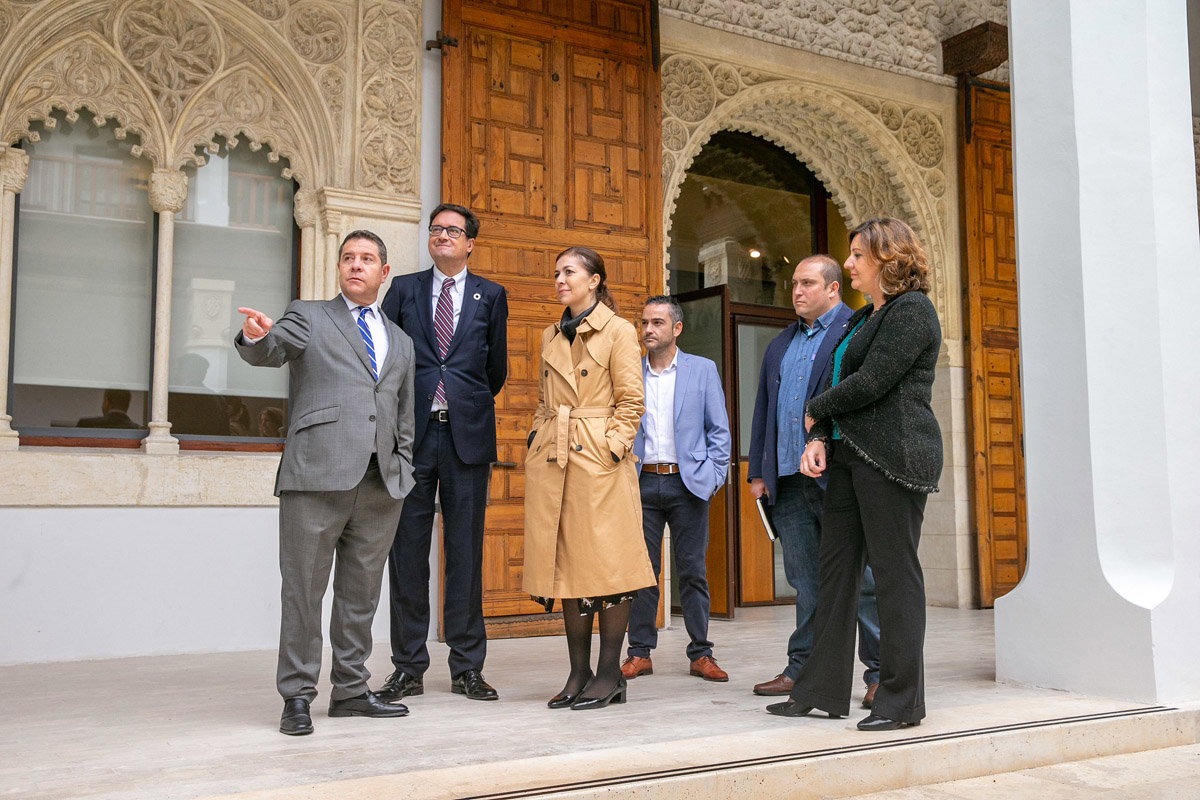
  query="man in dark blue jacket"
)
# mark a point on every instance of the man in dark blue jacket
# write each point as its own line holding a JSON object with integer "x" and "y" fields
{"x": 794, "y": 368}
{"x": 459, "y": 326}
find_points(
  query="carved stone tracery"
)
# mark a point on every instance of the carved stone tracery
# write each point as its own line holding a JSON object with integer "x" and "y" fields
{"x": 173, "y": 45}
{"x": 876, "y": 157}
{"x": 387, "y": 153}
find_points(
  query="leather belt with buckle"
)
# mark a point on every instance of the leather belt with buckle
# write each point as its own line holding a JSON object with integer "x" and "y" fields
{"x": 439, "y": 416}
{"x": 661, "y": 469}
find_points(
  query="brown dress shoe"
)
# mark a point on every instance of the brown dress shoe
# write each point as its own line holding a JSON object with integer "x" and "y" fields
{"x": 869, "y": 700}
{"x": 779, "y": 685}
{"x": 706, "y": 667}
{"x": 636, "y": 665}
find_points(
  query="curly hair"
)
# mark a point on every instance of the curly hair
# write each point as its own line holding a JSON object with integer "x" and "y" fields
{"x": 893, "y": 245}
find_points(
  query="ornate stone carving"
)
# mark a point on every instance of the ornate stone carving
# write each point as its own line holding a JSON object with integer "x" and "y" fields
{"x": 14, "y": 168}
{"x": 317, "y": 32}
{"x": 387, "y": 158}
{"x": 305, "y": 209}
{"x": 173, "y": 45}
{"x": 687, "y": 88}
{"x": 82, "y": 73}
{"x": 267, "y": 9}
{"x": 898, "y": 35}
{"x": 333, "y": 89}
{"x": 876, "y": 157}
{"x": 5, "y": 21}
{"x": 168, "y": 190}
{"x": 921, "y": 134}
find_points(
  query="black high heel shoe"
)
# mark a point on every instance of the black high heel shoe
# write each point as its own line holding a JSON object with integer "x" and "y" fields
{"x": 564, "y": 700}
{"x": 617, "y": 695}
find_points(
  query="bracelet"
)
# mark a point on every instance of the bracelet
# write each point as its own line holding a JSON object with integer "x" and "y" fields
{"x": 822, "y": 439}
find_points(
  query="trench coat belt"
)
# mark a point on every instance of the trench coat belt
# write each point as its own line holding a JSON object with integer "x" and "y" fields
{"x": 563, "y": 426}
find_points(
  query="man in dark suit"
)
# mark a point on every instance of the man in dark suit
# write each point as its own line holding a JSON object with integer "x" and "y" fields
{"x": 115, "y": 410}
{"x": 682, "y": 448}
{"x": 459, "y": 325}
{"x": 794, "y": 368}
{"x": 346, "y": 467}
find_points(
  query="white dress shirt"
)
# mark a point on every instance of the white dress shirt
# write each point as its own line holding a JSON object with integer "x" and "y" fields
{"x": 379, "y": 334}
{"x": 456, "y": 295}
{"x": 659, "y": 419}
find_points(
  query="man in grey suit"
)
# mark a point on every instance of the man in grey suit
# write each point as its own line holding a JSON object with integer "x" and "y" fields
{"x": 346, "y": 468}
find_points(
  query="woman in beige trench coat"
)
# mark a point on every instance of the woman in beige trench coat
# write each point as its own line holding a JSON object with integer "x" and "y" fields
{"x": 583, "y": 512}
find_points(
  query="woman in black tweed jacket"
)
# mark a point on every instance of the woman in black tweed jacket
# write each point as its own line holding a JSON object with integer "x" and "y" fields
{"x": 874, "y": 424}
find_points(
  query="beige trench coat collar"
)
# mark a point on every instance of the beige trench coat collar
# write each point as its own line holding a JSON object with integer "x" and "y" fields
{"x": 558, "y": 352}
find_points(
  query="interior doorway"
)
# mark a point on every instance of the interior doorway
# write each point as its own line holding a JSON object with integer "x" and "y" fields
{"x": 748, "y": 211}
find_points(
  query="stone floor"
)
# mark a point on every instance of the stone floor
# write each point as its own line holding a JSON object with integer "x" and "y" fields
{"x": 203, "y": 725}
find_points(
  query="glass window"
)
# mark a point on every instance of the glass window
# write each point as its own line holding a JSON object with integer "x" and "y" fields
{"x": 83, "y": 285}
{"x": 747, "y": 213}
{"x": 234, "y": 246}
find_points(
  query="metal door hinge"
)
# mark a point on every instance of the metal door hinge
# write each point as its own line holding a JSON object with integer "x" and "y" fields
{"x": 441, "y": 42}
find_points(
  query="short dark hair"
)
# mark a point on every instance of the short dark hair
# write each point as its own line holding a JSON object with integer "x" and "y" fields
{"x": 118, "y": 398}
{"x": 671, "y": 303}
{"x": 370, "y": 236}
{"x": 830, "y": 270}
{"x": 471, "y": 224}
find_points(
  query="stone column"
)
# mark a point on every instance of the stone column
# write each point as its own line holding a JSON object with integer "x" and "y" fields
{"x": 14, "y": 167}
{"x": 306, "y": 214}
{"x": 333, "y": 237}
{"x": 168, "y": 190}
{"x": 1107, "y": 254}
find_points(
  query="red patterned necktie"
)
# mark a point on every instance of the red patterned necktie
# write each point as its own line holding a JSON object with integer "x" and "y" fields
{"x": 443, "y": 326}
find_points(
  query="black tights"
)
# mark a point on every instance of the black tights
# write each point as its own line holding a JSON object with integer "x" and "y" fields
{"x": 613, "y": 622}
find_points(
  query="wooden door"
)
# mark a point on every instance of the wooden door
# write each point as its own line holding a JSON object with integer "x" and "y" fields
{"x": 550, "y": 134}
{"x": 994, "y": 386}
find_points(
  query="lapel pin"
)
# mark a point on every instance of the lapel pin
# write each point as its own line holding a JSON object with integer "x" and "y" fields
{"x": 477, "y": 295}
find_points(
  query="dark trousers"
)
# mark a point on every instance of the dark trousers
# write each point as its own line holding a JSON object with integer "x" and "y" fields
{"x": 868, "y": 515}
{"x": 665, "y": 500}
{"x": 462, "y": 491}
{"x": 347, "y": 532}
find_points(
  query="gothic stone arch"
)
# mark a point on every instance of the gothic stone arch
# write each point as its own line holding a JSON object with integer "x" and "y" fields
{"x": 875, "y": 156}
{"x": 178, "y": 74}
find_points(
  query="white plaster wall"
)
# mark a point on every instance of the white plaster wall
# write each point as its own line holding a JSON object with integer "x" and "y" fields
{"x": 82, "y": 583}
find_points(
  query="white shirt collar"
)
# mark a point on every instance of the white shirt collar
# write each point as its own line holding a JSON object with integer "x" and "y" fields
{"x": 668, "y": 368}
{"x": 354, "y": 307}
{"x": 440, "y": 278}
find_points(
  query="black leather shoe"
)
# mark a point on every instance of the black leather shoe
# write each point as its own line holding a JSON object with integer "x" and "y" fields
{"x": 366, "y": 704}
{"x": 564, "y": 700}
{"x": 792, "y": 708}
{"x": 617, "y": 695}
{"x": 472, "y": 684}
{"x": 878, "y": 723}
{"x": 296, "y": 721}
{"x": 400, "y": 684}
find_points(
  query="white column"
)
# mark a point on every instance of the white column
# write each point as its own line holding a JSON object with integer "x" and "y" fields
{"x": 333, "y": 238}
{"x": 14, "y": 167}
{"x": 1109, "y": 271}
{"x": 306, "y": 214}
{"x": 168, "y": 190}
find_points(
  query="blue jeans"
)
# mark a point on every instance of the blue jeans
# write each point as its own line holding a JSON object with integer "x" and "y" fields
{"x": 797, "y": 518}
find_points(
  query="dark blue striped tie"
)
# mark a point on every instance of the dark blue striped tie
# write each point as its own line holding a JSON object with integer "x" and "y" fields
{"x": 366, "y": 337}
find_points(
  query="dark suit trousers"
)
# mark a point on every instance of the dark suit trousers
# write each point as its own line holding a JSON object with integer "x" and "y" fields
{"x": 665, "y": 500}
{"x": 317, "y": 530}
{"x": 462, "y": 491}
{"x": 868, "y": 514}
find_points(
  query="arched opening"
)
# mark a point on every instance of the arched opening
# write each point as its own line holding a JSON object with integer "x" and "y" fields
{"x": 747, "y": 213}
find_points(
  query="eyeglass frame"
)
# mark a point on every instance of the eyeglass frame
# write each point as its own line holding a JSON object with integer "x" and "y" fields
{"x": 453, "y": 231}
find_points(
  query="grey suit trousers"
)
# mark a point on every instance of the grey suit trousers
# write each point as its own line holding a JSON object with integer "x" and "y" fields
{"x": 357, "y": 526}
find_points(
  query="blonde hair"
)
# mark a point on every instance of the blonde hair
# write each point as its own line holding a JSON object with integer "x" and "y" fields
{"x": 893, "y": 245}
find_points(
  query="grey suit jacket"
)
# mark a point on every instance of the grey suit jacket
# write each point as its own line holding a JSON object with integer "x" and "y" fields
{"x": 338, "y": 410}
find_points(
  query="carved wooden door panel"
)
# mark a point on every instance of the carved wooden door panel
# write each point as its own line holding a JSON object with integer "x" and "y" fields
{"x": 551, "y": 136}
{"x": 998, "y": 474}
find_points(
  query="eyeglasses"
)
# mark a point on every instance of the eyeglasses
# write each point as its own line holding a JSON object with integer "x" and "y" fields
{"x": 452, "y": 231}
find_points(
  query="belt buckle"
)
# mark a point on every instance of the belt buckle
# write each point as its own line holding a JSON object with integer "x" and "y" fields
{"x": 441, "y": 415}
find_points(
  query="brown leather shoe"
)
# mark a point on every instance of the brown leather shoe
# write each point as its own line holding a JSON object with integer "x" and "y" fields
{"x": 869, "y": 700}
{"x": 636, "y": 665}
{"x": 779, "y": 685}
{"x": 706, "y": 667}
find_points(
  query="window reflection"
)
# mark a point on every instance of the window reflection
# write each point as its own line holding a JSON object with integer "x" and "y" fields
{"x": 84, "y": 281}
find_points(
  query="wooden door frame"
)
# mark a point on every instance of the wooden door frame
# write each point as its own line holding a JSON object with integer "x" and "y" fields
{"x": 752, "y": 313}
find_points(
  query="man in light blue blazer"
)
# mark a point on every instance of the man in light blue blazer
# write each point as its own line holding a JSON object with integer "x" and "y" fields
{"x": 682, "y": 448}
